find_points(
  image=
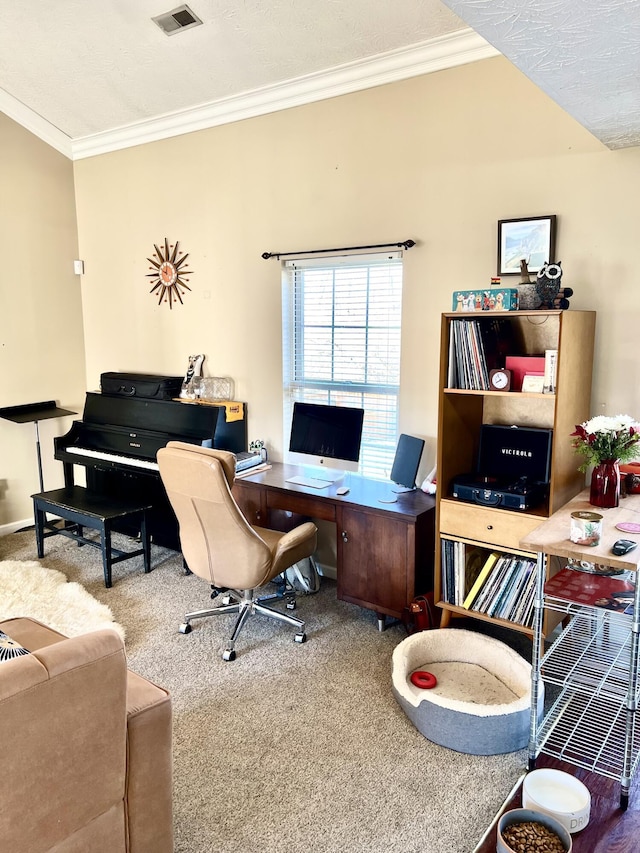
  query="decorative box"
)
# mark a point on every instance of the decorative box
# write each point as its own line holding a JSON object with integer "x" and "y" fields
{"x": 495, "y": 299}
{"x": 217, "y": 388}
{"x": 521, "y": 365}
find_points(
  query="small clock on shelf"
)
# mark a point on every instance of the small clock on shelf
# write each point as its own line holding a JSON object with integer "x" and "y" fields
{"x": 500, "y": 379}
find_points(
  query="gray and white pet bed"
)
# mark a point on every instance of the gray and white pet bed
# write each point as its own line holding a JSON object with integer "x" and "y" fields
{"x": 481, "y": 703}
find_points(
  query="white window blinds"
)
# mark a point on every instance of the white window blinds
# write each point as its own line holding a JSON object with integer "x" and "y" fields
{"x": 342, "y": 326}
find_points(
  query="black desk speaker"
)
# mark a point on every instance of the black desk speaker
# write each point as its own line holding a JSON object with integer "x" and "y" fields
{"x": 407, "y": 461}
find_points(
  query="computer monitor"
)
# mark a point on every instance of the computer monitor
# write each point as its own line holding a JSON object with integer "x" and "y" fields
{"x": 326, "y": 437}
{"x": 406, "y": 462}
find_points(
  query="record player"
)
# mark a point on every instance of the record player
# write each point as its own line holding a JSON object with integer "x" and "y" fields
{"x": 513, "y": 468}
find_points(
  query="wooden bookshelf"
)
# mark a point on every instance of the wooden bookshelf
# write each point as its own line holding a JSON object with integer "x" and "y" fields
{"x": 462, "y": 412}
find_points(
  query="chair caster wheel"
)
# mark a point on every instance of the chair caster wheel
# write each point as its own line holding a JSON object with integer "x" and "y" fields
{"x": 185, "y": 628}
{"x": 291, "y": 604}
{"x": 301, "y": 637}
{"x": 228, "y": 654}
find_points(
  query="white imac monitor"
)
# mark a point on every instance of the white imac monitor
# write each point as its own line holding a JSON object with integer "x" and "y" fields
{"x": 327, "y": 438}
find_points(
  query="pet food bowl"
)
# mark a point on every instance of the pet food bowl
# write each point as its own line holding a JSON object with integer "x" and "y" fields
{"x": 558, "y": 794}
{"x": 530, "y": 816}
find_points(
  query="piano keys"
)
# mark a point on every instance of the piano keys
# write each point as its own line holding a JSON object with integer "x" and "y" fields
{"x": 118, "y": 438}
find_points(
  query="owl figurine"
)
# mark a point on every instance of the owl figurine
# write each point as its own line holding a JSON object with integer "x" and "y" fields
{"x": 548, "y": 283}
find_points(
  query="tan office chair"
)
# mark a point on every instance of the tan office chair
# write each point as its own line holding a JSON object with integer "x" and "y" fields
{"x": 219, "y": 544}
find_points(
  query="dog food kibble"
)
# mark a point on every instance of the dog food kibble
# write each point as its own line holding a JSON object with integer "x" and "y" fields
{"x": 531, "y": 837}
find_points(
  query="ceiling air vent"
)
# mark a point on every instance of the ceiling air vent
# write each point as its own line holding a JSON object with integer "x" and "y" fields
{"x": 177, "y": 20}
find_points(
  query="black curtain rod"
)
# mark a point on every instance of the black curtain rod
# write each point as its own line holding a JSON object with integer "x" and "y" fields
{"x": 405, "y": 244}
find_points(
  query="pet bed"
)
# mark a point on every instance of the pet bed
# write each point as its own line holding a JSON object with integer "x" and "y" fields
{"x": 481, "y": 702}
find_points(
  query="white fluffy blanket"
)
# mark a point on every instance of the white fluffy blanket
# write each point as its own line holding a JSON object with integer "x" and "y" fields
{"x": 30, "y": 589}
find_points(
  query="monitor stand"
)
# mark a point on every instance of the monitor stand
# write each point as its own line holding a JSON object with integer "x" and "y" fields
{"x": 396, "y": 489}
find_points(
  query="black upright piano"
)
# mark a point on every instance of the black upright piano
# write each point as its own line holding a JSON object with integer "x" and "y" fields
{"x": 118, "y": 438}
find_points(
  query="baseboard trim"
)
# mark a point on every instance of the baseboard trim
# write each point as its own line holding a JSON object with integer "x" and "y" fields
{"x": 14, "y": 526}
{"x": 327, "y": 571}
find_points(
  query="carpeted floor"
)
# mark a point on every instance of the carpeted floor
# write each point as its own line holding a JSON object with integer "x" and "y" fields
{"x": 290, "y": 747}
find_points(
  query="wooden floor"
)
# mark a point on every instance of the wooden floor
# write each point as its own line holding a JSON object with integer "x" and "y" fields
{"x": 610, "y": 830}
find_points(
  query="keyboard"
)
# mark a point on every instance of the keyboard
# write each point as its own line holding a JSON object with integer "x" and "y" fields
{"x": 114, "y": 457}
{"x": 310, "y": 482}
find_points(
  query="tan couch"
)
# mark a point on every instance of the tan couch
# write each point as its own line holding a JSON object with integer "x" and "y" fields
{"x": 85, "y": 746}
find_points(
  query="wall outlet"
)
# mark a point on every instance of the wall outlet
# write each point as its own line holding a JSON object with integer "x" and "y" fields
{"x": 78, "y": 267}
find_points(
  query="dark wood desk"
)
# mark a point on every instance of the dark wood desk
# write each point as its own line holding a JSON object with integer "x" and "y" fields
{"x": 385, "y": 551}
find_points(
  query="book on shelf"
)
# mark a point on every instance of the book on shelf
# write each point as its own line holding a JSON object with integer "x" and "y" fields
{"x": 474, "y": 559}
{"x": 610, "y": 592}
{"x": 447, "y": 547}
{"x": 492, "y": 585}
{"x": 479, "y": 581}
{"x": 460, "y": 565}
{"x": 467, "y": 368}
{"x": 451, "y": 364}
{"x": 500, "y": 585}
{"x": 523, "y": 614}
{"x": 508, "y": 605}
{"x": 526, "y": 583}
{"x": 498, "y": 601}
{"x": 508, "y": 592}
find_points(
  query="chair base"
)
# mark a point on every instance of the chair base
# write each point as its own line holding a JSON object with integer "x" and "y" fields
{"x": 245, "y": 604}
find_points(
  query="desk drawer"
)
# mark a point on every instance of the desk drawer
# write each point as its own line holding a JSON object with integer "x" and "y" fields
{"x": 302, "y": 504}
{"x": 483, "y": 524}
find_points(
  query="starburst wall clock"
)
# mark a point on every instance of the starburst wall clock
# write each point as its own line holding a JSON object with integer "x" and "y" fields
{"x": 169, "y": 272}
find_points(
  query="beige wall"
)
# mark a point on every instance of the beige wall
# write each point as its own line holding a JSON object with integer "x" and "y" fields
{"x": 439, "y": 159}
{"x": 41, "y": 338}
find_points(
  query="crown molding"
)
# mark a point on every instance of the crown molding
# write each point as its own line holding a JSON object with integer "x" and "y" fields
{"x": 459, "y": 48}
{"x": 34, "y": 123}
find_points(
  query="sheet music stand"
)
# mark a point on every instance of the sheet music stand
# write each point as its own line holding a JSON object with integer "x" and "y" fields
{"x": 33, "y": 413}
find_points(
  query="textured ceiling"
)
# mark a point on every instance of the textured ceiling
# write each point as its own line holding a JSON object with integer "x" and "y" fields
{"x": 585, "y": 54}
{"x": 86, "y": 68}
{"x": 92, "y": 65}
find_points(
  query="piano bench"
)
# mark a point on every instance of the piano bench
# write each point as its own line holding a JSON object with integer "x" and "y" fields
{"x": 80, "y": 508}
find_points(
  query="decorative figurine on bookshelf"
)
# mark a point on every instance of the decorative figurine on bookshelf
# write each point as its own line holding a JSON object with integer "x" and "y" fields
{"x": 258, "y": 446}
{"x": 561, "y": 301}
{"x": 194, "y": 371}
{"x": 548, "y": 283}
{"x": 527, "y": 293}
{"x": 550, "y": 368}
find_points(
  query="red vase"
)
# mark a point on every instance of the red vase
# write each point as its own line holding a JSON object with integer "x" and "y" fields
{"x": 605, "y": 484}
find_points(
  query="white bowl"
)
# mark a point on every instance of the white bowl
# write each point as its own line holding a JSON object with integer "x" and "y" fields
{"x": 558, "y": 794}
{"x": 526, "y": 816}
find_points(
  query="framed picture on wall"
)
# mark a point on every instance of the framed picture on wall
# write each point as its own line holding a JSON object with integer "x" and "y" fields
{"x": 532, "y": 238}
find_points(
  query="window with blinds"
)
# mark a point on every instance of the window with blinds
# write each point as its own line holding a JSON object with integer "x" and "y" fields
{"x": 342, "y": 326}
